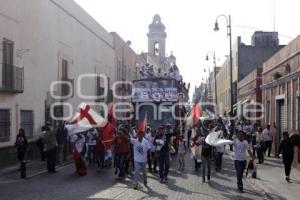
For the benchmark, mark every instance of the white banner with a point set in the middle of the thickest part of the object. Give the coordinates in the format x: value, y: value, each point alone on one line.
x: 154, y: 94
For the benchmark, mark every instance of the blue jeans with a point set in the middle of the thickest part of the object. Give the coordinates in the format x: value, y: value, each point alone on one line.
x: 206, y: 161
x: 240, y: 166
x: 138, y: 168
x: 164, y: 164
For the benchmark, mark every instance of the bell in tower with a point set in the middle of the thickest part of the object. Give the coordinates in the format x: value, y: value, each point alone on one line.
x: 157, y: 39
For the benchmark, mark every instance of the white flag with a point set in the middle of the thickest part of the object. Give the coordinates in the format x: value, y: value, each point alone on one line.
x: 84, y: 119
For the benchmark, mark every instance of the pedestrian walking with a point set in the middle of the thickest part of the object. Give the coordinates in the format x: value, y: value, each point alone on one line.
x: 197, y: 148
x: 286, y: 148
x: 100, y: 151
x: 49, y: 139
x: 181, y: 152
x: 40, y: 144
x: 141, y: 148
x: 78, y: 150
x: 260, y: 145
x: 241, y: 146
x: 268, y: 138
x: 150, y: 137
x: 162, y: 142
x: 219, y: 156
x: 121, y: 150
x: 206, y: 155
x: 91, y: 143
x: 21, y: 145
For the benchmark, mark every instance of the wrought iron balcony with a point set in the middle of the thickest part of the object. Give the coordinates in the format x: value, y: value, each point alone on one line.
x: 11, y: 78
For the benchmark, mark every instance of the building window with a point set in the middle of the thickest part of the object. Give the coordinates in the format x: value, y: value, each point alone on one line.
x: 8, y: 52
x: 7, y: 63
x: 64, y: 69
x: 27, y: 122
x: 4, y: 125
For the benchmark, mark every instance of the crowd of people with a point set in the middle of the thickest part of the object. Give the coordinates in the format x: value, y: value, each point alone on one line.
x: 134, y: 150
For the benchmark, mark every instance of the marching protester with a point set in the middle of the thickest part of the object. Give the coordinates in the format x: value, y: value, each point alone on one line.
x: 141, y: 148
x: 286, y: 149
x: 78, y: 150
x: 162, y: 142
x: 21, y: 145
x: 150, y: 137
x: 206, y: 155
x: 219, y: 156
x: 100, y: 150
x: 91, y: 143
x: 260, y: 145
x: 49, y: 139
x: 196, y: 142
x: 241, y: 146
x: 121, y: 150
x: 268, y: 138
x: 181, y: 152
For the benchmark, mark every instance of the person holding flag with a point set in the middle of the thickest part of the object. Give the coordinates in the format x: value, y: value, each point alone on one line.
x: 78, y: 149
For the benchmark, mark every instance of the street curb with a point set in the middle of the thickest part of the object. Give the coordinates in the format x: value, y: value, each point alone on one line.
x: 45, y: 171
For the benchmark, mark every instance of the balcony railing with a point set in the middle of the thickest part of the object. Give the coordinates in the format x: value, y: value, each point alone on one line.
x: 11, y: 78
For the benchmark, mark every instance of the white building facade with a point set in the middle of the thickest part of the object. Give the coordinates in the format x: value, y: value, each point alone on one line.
x: 42, y: 41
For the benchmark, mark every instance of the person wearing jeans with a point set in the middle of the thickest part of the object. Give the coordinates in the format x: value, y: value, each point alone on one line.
x: 206, y: 160
x: 162, y: 143
x: 268, y: 138
x: 241, y: 146
x: 121, y: 150
x: 141, y: 147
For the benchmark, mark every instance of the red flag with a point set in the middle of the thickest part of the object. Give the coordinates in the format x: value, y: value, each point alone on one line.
x: 108, y: 135
x: 143, y: 124
x: 110, y: 116
x: 196, y: 113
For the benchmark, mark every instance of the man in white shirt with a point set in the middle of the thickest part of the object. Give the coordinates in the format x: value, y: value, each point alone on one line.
x: 141, y: 147
x: 268, y: 138
x: 241, y: 146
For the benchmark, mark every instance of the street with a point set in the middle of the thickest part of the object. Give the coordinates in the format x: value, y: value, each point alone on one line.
x: 104, y: 185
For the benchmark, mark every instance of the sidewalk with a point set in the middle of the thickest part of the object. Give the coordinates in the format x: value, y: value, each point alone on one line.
x: 33, y: 168
x: 271, y: 179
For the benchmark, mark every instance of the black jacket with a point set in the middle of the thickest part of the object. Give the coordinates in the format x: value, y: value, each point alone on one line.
x: 286, y: 148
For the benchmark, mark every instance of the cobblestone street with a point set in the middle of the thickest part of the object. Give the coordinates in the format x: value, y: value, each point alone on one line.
x: 103, y: 185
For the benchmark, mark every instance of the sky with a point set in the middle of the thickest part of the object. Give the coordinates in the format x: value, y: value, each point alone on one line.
x: 189, y: 26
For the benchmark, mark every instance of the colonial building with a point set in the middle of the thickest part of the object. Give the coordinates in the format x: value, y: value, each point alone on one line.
x: 156, y: 55
x: 280, y: 93
x: 245, y: 58
x: 249, y: 95
x: 43, y: 42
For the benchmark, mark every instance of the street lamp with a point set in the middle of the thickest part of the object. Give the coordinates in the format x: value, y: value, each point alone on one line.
x: 216, y: 28
x: 215, y: 73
